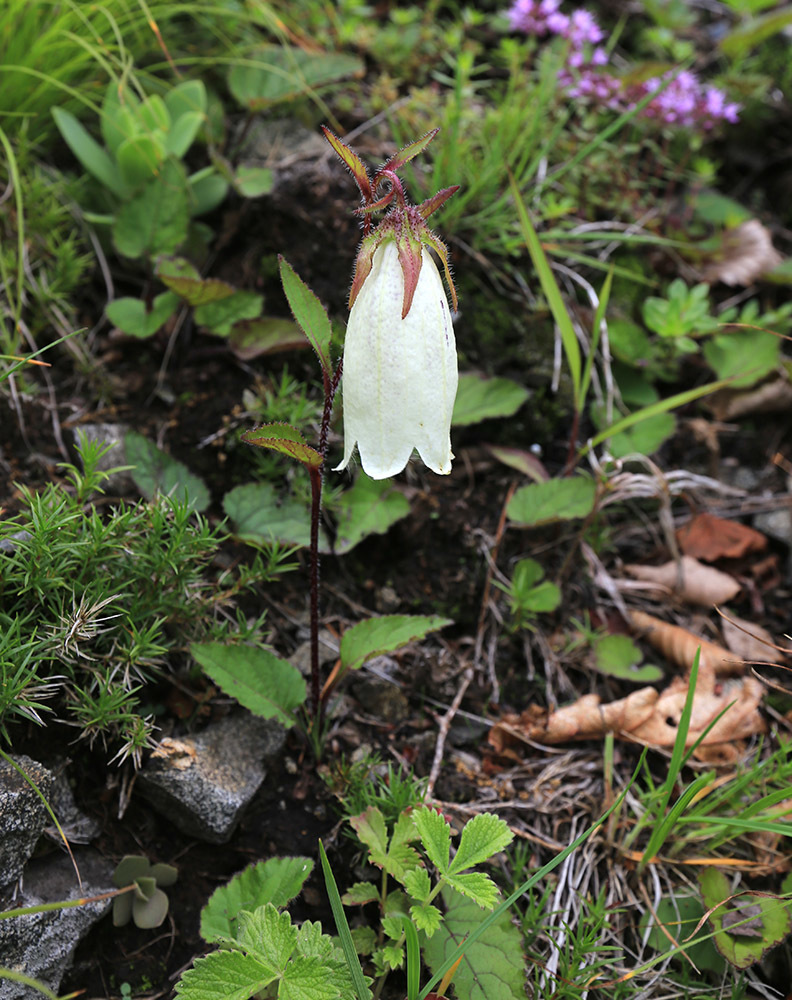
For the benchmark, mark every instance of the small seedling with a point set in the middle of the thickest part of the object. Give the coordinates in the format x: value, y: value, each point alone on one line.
x: 147, y: 904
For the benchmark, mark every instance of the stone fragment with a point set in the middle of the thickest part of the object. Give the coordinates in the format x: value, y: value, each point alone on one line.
x: 22, y: 814
x: 42, y: 945
x: 775, y: 523
x: 381, y: 699
x: 202, y: 783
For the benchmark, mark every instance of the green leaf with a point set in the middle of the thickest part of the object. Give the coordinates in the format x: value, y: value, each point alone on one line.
x: 253, y: 182
x: 750, y: 33
x: 393, y: 927
x: 132, y: 317
x: 482, y: 836
x: 377, y: 636
x: 223, y: 975
x: 309, y: 314
x: 277, y: 880
x: 88, y: 151
x: 151, y: 912
x: 307, y: 979
x: 183, y: 278
x: 130, y: 868
x: 268, y: 935
x: 252, y: 338
x: 370, y: 507
x: 145, y: 887
x: 392, y: 955
x: 543, y: 598
x: 435, y: 834
x: 282, y: 73
x: 258, y: 679
x: 748, y: 354
x: 183, y: 132
x: 260, y: 518
x: 164, y: 874
x: 493, y: 967
x: 219, y: 316
x: 768, y: 918
x: 207, y: 190
x: 122, y: 909
x: 480, y: 399
x: 156, y: 472
x: 396, y: 857
x: 555, y: 500
x: 361, y: 892
x: 186, y: 98
x: 417, y: 883
x: 139, y: 159
x: 618, y: 656
x: 118, y: 119
x: 156, y: 220
x: 365, y: 939
x: 643, y: 438
x: 359, y: 984
x: 427, y: 918
x: 680, y: 916
x: 286, y: 440
x: 476, y: 886
x: 370, y: 829
x: 153, y: 114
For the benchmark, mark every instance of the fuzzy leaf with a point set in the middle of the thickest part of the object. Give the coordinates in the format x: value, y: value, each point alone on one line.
x: 417, y: 884
x: 361, y: 892
x: 268, y: 935
x: 223, y: 975
x: 286, y: 440
x: 156, y: 472
x: 307, y: 979
x: 277, y: 881
x: 480, y: 399
x: 555, y: 500
x: 376, y: 636
x: 258, y: 679
x: 476, y: 886
x: 482, y: 836
x: 493, y: 966
x: 309, y: 314
x: 370, y: 507
x: 312, y: 942
x: 427, y: 918
x: 435, y: 834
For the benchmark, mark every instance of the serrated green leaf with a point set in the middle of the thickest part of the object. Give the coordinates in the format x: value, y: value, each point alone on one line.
x: 396, y: 857
x: 476, y: 886
x: 259, y: 516
x: 361, y: 892
x: 309, y: 314
x: 312, y: 942
x: 223, y: 975
x: 376, y: 636
x: 132, y: 317
x: 480, y: 399
x: 427, y: 918
x: 154, y: 472
x: 266, y: 685
x: 269, y: 935
x: 435, y: 834
x: 393, y: 927
x: 183, y: 278
x: 370, y: 828
x: 286, y: 440
x: 156, y: 220
x: 307, y: 979
x: 370, y: 507
x: 219, y: 316
x: 365, y: 939
x: 482, y: 836
x: 418, y: 884
x: 392, y: 956
x: 493, y: 966
x: 555, y: 500
x: 277, y: 881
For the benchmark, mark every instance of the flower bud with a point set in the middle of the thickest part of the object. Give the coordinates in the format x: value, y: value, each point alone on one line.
x: 400, y: 372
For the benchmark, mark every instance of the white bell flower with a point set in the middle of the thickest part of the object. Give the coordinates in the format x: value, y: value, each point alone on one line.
x: 400, y: 371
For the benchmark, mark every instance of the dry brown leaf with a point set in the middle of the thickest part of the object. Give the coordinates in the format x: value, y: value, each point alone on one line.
x: 690, y: 580
x: 772, y: 396
x: 747, y: 640
x: 746, y: 253
x: 679, y: 646
x: 709, y: 538
x: 180, y: 754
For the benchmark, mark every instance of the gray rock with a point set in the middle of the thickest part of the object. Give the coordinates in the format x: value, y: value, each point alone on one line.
x: 112, y: 435
x: 328, y: 652
x: 203, y: 783
x: 776, y: 523
x: 78, y: 828
x: 22, y: 814
x: 42, y: 945
x: 381, y: 698
x: 9, y: 544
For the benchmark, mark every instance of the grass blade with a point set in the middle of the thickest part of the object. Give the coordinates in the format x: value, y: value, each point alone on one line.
x: 347, y: 945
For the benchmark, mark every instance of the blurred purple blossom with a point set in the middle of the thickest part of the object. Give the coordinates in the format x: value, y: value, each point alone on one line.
x: 684, y: 102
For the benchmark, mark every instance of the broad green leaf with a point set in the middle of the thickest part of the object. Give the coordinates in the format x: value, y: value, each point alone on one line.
x: 307, y: 979
x: 88, y: 151
x: 719, y: 210
x: 258, y: 679
x: 618, y: 656
x: 521, y: 460
x: 253, y: 182
x: 747, y: 354
x: 427, y: 918
x: 252, y: 338
x: 312, y: 942
x: 207, y: 190
x: 118, y: 120
x: 219, y: 316
x: 309, y: 314
x: 377, y: 636
x: 154, y: 114
x: 282, y: 73
x: 370, y: 507
x: 130, y: 868
x: 476, y: 886
x: 370, y: 828
x: 139, y: 159
x: 131, y: 317
x: 555, y: 500
x: 493, y: 966
x: 277, y: 880
x: 480, y: 399
x: 183, y: 278
x: 164, y: 874
x: 156, y: 472
x: 393, y: 956
x: 286, y: 440
x: 186, y: 98
x: 155, y: 221
x: 543, y: 598
x: 482, y: 836
x: 151, y: 912
x: 764, y: 924
x: 269, y: 935
x: 435, y: 834
x: 680, y: 917
x: 396, y: 856
x: 643, y: 438
x: 365, y: 939
x: 259, y: 517
x: 183, y: 132
x: 223, y: 975
x: 361, y: 892
x: 417, y: 883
